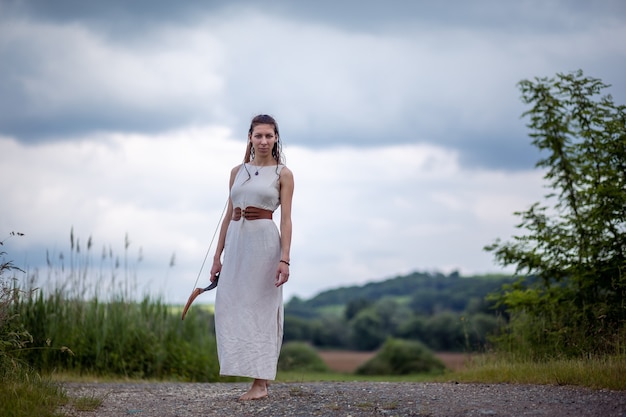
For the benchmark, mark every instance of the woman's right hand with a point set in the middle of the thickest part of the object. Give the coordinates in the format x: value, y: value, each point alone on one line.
x: 215, y: 270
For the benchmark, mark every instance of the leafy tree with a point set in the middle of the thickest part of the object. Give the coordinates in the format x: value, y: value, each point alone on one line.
x: 354, y: 306
x: 444, y: 332
x: 575, y: 243
x: 299, y: 308
x: 296, y: 328
x: 392, y: 314
x: 477, y: 329
x: 427, y: 301
x: 329, y: 332
x: 368, y: 331
x: 414, y: 328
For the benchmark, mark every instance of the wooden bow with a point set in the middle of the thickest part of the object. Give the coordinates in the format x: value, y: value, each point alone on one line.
x: 195, y: 293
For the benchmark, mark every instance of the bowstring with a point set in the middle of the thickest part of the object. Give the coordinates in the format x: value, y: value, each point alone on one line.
x: 206, y: 255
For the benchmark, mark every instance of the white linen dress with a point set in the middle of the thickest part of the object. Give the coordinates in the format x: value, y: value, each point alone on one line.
x: 248, y: 306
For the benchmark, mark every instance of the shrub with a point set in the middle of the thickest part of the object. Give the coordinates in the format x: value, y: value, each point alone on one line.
x: 300, y: 356
x: 402, y: 357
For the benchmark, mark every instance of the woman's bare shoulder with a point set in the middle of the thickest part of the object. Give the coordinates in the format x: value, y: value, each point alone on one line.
x: 286, y: 171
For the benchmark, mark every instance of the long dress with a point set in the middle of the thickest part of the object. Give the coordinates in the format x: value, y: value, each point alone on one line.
x: 248, y: 306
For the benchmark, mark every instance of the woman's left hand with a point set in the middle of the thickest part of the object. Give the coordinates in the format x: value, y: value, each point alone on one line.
x: 282, y: 274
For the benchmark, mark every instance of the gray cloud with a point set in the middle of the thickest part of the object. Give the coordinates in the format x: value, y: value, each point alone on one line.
x: 401, y: 122
x: 334, y: 73
x: 369, y: 16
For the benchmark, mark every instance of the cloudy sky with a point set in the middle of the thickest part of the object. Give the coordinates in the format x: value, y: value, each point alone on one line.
x: 401, y: 121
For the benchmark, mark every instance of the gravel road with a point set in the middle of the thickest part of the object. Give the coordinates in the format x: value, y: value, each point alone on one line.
x: 347, y: 399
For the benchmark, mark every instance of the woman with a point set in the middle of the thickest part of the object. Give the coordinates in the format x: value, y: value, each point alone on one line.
x: 249, y: 299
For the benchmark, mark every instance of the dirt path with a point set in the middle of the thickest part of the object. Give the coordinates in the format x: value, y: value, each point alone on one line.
x: 347, y: 399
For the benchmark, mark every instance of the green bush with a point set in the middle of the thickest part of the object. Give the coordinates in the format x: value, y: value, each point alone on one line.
x: 402, y: 357
x: 300, y: 356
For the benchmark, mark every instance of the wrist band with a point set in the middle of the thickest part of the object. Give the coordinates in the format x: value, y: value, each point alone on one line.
x: 285, y: 262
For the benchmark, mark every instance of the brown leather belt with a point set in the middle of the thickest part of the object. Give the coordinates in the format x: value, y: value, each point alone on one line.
x: 251, y: 213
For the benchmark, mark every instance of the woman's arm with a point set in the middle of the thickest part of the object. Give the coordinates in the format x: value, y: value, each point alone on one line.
x: 286, y: 196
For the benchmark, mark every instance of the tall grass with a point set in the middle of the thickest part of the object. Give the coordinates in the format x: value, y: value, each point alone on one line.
x: 76, y: 329
x: 598, y: 372
x: 23, y: 392
x: 134, y: 339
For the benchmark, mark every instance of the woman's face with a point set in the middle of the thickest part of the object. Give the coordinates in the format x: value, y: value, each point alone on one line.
x: 263, y: 139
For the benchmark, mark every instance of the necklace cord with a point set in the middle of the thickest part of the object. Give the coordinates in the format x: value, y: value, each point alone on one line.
x: 206, y: 255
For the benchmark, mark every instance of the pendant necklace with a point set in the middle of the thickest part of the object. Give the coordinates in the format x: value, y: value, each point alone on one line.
x: 258, y: 167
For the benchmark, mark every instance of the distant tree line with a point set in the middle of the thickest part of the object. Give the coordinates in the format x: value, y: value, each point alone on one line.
x: 444, y: 312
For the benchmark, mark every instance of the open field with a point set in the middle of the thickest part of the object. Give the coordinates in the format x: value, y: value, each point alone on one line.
x: 348, y: 361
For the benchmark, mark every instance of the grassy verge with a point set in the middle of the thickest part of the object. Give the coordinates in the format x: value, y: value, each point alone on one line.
x: 24, y: 393
x: 597, y: 373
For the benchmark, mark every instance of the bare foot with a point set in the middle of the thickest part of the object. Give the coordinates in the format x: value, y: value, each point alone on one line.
x: 257, y: 391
